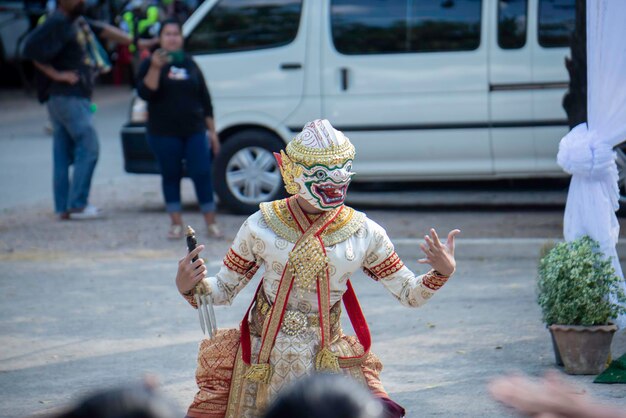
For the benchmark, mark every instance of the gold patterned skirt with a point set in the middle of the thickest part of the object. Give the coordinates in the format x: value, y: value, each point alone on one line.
x: 223, y: 390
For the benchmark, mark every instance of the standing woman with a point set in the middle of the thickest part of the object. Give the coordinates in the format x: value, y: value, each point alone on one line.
x: 180, y: 125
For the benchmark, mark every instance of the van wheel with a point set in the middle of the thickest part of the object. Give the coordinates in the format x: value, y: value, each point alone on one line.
x: 246, y: 172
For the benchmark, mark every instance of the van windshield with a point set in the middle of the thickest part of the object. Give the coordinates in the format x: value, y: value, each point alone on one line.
x: 244, y: 25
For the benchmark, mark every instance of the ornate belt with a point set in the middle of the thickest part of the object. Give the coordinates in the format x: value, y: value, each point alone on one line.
x: 294, y: 322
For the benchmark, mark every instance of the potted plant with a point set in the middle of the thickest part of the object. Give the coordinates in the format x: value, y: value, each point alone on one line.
x: 575, y: 281
x: 545, y: 249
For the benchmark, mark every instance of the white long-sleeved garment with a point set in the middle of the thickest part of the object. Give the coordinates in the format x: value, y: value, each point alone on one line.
x: 353, y: 242
x: 369, y: 248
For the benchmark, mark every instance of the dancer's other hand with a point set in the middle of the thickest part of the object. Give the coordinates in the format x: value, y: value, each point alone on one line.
x: 440, y: 256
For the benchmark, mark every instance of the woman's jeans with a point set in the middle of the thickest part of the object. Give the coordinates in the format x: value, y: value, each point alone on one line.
x: 196, y: 151
x: 75, y: 142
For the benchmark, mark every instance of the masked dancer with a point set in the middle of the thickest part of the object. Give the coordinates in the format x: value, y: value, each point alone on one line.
x: 309, y: 245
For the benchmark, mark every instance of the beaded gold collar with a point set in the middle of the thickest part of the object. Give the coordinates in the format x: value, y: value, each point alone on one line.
x: 280, y: 220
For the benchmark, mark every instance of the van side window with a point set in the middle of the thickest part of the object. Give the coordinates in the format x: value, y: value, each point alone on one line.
x: 242, y: 25
x: 369, y: 26
x: 512, y: 19
x: 445, y: 25
x: 557, y: 20
x: 405, y: 26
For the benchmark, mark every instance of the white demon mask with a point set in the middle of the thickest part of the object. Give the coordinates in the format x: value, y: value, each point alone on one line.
x: 318, y: 165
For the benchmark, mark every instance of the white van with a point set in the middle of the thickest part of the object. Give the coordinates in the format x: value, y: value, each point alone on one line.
x: 425, y: 89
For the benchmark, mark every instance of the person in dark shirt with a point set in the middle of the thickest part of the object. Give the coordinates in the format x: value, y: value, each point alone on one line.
x: 179, y: 114
x: 65, y: 50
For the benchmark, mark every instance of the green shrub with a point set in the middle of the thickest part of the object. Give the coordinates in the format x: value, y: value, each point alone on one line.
x: 574, y: 281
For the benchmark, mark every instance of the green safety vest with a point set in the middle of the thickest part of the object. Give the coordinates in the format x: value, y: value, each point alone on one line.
x: 152, y: 17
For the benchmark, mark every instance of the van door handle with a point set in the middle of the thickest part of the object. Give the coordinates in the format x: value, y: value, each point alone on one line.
x: 290, y: 66
x: 344, y: 79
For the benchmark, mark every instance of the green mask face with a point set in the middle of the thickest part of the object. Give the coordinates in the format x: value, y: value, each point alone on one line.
x: 325, y: 187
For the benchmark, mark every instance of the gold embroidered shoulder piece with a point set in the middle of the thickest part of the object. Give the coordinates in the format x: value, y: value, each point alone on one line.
x: 344, y: 226
x: 279, y: 219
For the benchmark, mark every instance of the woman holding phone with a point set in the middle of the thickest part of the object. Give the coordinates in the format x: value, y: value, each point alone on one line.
x: 180, y: 125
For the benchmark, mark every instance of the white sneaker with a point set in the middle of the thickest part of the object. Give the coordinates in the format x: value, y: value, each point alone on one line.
x: 214, y: 231
x: 88, y: 212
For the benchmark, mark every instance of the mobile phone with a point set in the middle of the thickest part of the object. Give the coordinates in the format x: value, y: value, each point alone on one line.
x: 176, y: 57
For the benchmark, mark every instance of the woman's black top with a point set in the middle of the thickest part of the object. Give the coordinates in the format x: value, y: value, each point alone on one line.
x: 181, y: 103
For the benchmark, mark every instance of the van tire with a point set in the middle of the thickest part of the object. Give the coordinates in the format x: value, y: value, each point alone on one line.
x: 243, y: 194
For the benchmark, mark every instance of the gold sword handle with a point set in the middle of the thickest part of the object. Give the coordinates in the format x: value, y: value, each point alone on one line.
x: 192, y: 243
x: 205, y: 321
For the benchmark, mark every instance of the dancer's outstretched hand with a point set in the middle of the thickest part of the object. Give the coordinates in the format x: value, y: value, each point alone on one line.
x: 440, y: 256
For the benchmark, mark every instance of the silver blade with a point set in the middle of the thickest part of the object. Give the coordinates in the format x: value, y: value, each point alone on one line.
x: 212, y: 314
x: 207, y: 317
x: 199, y: 305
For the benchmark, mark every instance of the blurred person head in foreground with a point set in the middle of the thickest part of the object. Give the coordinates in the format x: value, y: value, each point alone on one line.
x: 131, y: 401
x: 327, y: 396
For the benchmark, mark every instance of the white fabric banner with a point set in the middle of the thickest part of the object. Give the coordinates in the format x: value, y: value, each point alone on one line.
x: 586, y: 152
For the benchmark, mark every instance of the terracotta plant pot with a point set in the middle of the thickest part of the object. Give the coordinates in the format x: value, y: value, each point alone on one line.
x: 584, y: 350
x: 557, y: 355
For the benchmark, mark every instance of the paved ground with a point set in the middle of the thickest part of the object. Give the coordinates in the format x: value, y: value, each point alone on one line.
x: 90, y: 304
x: 74, y: 322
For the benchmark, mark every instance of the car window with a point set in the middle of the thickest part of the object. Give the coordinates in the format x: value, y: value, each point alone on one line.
x: 405, y: 26
x: 244, y: 25
x: 557, y: 20
x: 369, y: 26
x: 445, y: 25
x: 512, y: 19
